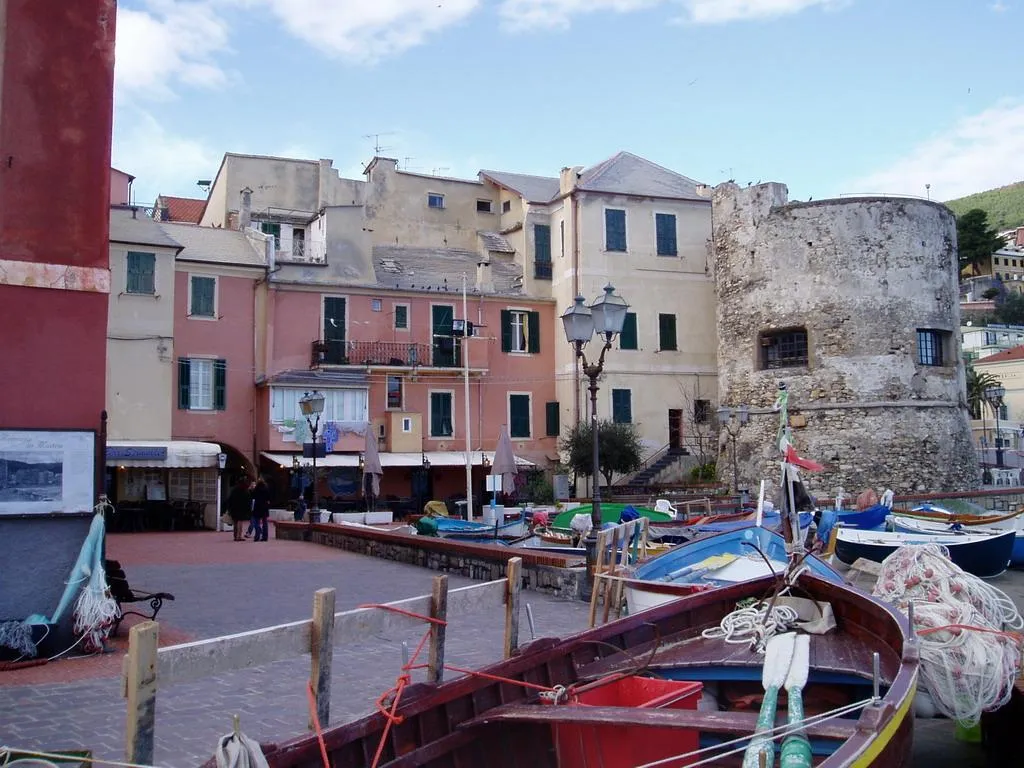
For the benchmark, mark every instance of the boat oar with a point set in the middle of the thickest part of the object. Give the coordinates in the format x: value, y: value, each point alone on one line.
x: 796, y: 749
x: 777, y: 658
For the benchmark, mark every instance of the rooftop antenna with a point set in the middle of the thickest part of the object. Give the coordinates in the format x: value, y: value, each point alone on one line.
x: 204, y: 184
x: 405, y: 163
x: 377, y: 146
x: 438, y: 170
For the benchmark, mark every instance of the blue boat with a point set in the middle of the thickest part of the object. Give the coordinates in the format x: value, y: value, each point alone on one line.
x: 770, y: 520
x: 714, y: 561
x: 914, y: 525
x: 870, y: 519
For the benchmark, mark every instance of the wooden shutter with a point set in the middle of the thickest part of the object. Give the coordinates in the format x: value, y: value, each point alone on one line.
x: 622, y: 406
x: 665, y: 231
x: 551, y: 419
x: 541, y: 243
x: 506, y: 330
x: 184, y: 375
x: 220, y: 381
x: 519, y: 416
x: 628, y: 337
x: 533, y: 337
x: 667, y: 332
x: 614, y: 230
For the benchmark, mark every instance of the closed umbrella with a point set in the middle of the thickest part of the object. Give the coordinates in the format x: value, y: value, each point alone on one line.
x: 371, y: 465
x: 505, y: 461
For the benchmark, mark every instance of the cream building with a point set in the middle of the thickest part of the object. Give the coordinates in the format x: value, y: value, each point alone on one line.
x: 1008, y: 367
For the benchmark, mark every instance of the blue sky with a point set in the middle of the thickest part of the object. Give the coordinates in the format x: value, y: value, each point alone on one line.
x: 827, y: 96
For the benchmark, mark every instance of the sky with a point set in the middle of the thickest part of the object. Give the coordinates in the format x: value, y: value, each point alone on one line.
x: 831, y: 97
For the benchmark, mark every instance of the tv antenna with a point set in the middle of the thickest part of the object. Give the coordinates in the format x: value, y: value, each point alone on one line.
x: 377, y: 147
x: 437, y: 171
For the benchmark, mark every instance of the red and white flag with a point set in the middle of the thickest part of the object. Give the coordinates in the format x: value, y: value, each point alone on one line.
x: 796, y: 461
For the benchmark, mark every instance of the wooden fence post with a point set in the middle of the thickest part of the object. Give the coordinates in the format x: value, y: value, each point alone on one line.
x: 438, y: 610
x: 140, y: 690
x: 514, y: 580
x: 321, y: 642
x: 602, y: 543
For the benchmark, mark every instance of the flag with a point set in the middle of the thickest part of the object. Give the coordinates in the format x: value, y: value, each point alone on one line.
x: 808, y: 464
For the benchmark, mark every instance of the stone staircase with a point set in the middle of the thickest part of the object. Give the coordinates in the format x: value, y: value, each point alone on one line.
x: 648, y: 474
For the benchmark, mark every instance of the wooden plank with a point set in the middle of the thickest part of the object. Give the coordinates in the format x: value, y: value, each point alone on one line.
x: 140, y: 684
x: 438, y: 610
x: 321, y: 646
x: 514, y: 585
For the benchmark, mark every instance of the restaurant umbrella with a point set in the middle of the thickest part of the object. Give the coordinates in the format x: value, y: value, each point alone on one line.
x: 371, y: 467
x: 504, y: 463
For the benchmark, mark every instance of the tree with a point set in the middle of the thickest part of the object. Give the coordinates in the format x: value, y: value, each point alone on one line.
x: 977, y: 383
x: 619, y: 445
x: 1011, y: 311
x: 975, y: 241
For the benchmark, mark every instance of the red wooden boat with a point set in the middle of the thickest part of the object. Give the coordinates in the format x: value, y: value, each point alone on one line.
x: 496, y: 721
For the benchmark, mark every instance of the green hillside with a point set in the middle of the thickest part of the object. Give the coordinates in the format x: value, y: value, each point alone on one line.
x: 1004, y: 206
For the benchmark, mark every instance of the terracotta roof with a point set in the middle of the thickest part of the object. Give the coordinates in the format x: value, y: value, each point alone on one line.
x: 1017, y: 353
x: 183, y: 209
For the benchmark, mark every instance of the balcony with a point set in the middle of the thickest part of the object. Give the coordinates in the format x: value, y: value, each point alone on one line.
x: 392, y: 353
x: 542, y: 270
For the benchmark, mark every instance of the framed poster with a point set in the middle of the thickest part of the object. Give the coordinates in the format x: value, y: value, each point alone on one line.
x: 47, y: 471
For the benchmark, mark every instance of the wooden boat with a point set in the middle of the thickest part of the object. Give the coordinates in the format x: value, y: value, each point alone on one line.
x: 467, y: 529
x: 983, y: 555
x: 610, y: 513
x: 712, y: 562
x: 870, y: 519
x: 494, y: 721
x: 933, y: 512
x: 915, y: 525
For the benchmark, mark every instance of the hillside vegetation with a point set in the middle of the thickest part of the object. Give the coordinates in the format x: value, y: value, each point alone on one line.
x: 1004, y: 206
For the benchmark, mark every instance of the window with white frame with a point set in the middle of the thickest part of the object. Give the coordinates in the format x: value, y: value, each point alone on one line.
x: 394, y: 393
x: 442, y: 421
x: 200, y: 385
x: 435, y: 200
x: 178, y: 485
x: 204, y: 485
x: 348, y: 405
x: 202, y: 296
x: 406, y: 425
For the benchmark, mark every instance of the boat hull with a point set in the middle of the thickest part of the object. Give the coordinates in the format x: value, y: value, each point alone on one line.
x: 984, y: 556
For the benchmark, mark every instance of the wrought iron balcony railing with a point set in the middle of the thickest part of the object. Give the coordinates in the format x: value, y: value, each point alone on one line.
x: 393, y: 353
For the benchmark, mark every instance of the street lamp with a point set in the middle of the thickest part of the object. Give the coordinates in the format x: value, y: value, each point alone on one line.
x: 312, y: 405
x: 731, y: 420
x: 994, y: 396
x: 605, y: 316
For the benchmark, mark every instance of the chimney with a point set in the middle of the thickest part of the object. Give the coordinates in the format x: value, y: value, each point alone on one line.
x: 484, y: 281
x: 567, y: 179
x: 245, y: 209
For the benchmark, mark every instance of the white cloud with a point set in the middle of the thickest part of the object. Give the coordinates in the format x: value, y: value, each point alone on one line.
x: 367, y: 30
x: 168, y: 43
x: 525, y: 14
x: 976, y: 153
x: 162, y: 162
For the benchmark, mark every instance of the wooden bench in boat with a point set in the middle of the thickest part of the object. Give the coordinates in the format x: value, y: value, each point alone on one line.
x: 690, y: 719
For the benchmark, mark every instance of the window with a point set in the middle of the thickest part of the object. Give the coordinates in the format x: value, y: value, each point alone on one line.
x: 141, y: 273
x: 520, y: 331
x: 345, y: 405
x: 518, y: 416
x: 298, y: 243
x: 929, y: 347
x: 483, y: 206
x: 270, y: 228
x: 446, y: 348
x: 406, y: 425
x: 202, y: 296
x: 376, y: 305
x: 434, y: 200
x: 628, y: 337
x: 784, y: 349
x: 622, y: 406
x: 202, y: 384
x: 506, y: 206
x: 614, y: 229
x: 336, y: 351
x: 701, y: 411
x: 542, y: 251
x: 394, y: 392
x: 441, y: 424
x: 561, y: 237
x: 551, y: 426
x: 665, y: 232
x: 667, y: 333
x: 401, y: 317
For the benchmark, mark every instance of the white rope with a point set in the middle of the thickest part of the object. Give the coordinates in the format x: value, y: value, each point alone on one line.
x: 753, y: 625
x: 6, y: 751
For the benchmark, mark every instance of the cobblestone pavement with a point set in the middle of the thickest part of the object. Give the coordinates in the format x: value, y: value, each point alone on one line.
x: 224, y: 587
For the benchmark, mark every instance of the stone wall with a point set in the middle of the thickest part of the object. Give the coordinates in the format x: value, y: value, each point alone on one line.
x: 861, y: 276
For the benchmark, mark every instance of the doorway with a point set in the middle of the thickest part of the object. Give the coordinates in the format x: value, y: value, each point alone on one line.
x: 675, y: 429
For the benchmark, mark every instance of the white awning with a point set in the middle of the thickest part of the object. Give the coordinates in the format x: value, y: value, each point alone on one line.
x: 161, y: 453
x: 436, y: 459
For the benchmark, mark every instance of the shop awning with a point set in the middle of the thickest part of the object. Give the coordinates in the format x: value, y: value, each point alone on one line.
x: 436, y: 459
x: 161, y: 453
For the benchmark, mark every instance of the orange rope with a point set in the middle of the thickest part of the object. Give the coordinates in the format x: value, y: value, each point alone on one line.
x: 497, y: 678
x: 1015, y: 636
x: 316, y: 723
x: 410, y: 614
x: 389, y: 713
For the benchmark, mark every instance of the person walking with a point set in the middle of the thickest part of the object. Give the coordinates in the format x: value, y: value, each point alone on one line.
x: 239, y: 506
x: 261, y: 509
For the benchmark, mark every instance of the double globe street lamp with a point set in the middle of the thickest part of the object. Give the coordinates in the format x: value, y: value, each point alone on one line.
x: 994, y: 395
x: 311, y: 405
x: 605, y: 316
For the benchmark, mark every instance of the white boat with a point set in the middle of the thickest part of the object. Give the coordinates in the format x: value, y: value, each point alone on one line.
x: 980, y: 554
x: 917, y: 525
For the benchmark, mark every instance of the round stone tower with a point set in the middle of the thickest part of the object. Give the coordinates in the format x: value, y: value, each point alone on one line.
x: 854, y: 304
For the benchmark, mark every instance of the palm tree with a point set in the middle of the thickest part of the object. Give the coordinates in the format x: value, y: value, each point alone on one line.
x: 977, y: 383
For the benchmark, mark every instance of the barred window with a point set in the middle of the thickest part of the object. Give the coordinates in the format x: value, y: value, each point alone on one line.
x: 784, y: 349
x: 929, y: 347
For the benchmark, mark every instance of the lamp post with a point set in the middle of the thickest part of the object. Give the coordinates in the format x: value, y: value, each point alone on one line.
x: 312, y: 405
x: 731, y: 419
x: 994, y: 396
x: 605, y: 316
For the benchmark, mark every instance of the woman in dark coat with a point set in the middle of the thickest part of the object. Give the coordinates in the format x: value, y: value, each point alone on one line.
x: 261, y: 509
x: 239, y: 506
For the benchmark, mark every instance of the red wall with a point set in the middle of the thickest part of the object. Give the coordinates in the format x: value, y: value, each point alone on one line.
x: 56, y: 107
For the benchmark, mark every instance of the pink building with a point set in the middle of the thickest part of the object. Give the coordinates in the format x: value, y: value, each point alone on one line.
x: 217, y: 276
x: 120, y: 187
x: 383, y: 351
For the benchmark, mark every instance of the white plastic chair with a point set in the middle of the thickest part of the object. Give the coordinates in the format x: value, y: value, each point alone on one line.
x: 664, y: 505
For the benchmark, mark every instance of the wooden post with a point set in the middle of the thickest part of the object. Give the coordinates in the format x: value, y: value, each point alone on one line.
x: 140, y: 689
x: 438, y: 610
x: 602, y: 545
x: 515, y: 582
x: 321, y: 642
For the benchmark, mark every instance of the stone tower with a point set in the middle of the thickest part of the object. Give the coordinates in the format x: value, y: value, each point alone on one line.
x: 854, y: 304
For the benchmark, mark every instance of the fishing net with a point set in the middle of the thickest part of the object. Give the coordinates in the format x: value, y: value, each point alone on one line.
x: 95, y: 612
x: 969, y: 659
x: 17, y: 635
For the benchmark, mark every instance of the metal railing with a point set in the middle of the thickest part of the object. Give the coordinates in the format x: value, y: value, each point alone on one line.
x: 542, y: 270
x: 391, y: 353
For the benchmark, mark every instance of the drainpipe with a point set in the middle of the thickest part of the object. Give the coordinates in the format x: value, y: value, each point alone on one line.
x: 576, y: 383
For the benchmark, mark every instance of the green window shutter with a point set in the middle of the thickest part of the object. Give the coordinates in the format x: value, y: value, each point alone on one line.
x: 220, y: 384
x: 667, y: 332
x: 551, y: 419
x: 534, y: 332
x: 506, y: 330
x: 184, y: 375
x: 622, y: 406
x: 614, y: 230
x: 202, y: 296
x: 334, y: 319
x: 401, y: 316
x: 441, y: 414
x: 435, y: 415
x: 628, y: 338
x: 141, y: 272
x: 665, y: 231
x: 519, y: 416
x: 541, y: 243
